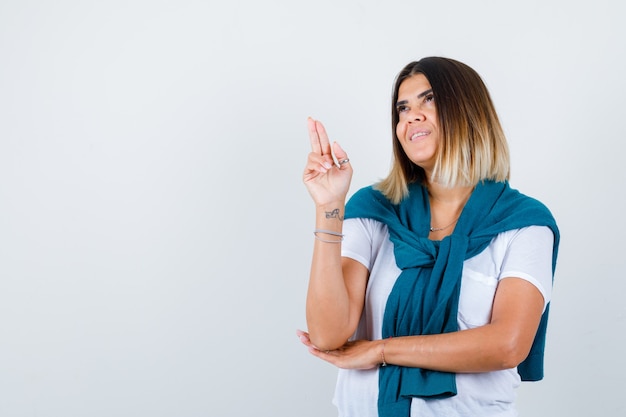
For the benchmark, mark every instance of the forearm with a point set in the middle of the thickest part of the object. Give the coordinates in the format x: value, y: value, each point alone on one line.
x: 483, y: 349
x: 503, y: 343
x: 328, y: 301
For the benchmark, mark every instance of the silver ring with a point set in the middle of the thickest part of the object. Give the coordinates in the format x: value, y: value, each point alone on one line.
x: 344, y: 161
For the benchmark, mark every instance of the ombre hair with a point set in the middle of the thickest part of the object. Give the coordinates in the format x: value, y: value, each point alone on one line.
x: 472, y: 145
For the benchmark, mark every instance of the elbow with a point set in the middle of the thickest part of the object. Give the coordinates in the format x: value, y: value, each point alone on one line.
x: 325, y: 342
x: 511, y: 353
x: 329, y: 334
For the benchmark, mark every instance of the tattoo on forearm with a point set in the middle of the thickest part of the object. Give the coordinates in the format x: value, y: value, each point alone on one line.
x: 334, y: 215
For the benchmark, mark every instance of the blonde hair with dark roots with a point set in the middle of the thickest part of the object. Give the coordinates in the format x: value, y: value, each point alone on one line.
x: 473, y: 147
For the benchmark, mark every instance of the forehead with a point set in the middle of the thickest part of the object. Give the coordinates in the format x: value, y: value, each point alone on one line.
x: 413, y: 85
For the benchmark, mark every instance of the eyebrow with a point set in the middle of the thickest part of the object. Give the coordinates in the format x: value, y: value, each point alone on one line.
x: 420, y: 95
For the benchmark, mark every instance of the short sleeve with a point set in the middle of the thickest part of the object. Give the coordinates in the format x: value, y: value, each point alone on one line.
x: 529, y: 257
x: 363, y: 240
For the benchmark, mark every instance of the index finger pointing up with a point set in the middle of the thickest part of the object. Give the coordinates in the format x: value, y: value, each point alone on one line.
x: 319, y: 139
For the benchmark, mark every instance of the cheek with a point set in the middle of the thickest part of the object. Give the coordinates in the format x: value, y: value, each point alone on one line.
x: 400, y: 130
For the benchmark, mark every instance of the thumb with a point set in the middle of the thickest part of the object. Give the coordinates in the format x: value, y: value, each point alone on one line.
x: 340, y: 154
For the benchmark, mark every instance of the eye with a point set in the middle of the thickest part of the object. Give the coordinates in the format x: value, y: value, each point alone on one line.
x: 402, y: 109
x: 429, y: 98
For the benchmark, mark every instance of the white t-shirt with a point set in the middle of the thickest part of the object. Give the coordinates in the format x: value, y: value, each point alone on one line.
x: 523, y: 253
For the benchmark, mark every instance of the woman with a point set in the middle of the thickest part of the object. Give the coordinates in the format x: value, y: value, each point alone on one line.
x: 430, y: 290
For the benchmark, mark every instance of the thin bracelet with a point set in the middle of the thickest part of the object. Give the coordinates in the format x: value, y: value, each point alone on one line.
x: 382, y: 353
x: 328, y: 232
x: 328, y: 241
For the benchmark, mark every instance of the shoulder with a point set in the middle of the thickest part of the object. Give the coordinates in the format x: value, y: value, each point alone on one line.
x: 366, y: 193
x: 518, y: 210
x: 367, y: 202
x: 512, y: 197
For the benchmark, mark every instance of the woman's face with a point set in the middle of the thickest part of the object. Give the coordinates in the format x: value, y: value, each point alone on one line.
x: 417, y: 128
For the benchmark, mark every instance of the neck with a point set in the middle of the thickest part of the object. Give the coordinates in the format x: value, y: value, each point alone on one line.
x: 450, y: 197
x: 446, y: 205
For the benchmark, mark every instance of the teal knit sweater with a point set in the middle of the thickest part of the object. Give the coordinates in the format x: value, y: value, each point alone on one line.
x: 425, y: 297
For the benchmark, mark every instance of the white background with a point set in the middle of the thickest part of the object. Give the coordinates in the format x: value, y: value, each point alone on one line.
x: 155, y: 235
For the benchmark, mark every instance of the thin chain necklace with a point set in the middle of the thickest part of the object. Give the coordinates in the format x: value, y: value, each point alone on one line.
x: 437, y: 229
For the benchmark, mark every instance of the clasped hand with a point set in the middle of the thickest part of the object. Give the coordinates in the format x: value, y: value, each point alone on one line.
x: 359, y: 354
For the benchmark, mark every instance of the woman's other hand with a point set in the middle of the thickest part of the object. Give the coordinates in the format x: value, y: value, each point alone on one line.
x: 360, y: 354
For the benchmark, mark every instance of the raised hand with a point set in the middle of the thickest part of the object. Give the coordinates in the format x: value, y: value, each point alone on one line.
x: 327, y: 180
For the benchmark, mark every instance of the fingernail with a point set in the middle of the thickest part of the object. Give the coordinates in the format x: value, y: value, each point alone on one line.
x: 327, y: 165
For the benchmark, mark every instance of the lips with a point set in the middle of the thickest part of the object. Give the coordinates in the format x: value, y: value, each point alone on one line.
x: 419, y: 134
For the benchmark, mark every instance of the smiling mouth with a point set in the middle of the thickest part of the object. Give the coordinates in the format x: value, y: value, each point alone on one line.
x: 418, y: 135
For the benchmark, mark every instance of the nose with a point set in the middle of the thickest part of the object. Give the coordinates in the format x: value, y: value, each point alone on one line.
x: 416, y: 115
